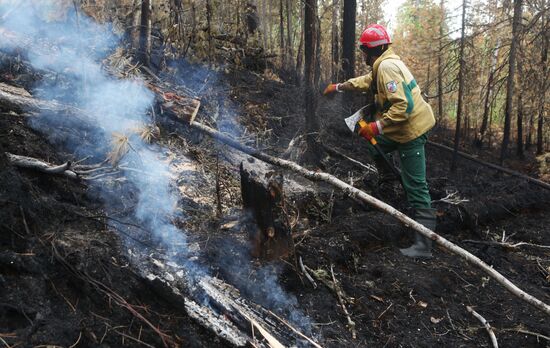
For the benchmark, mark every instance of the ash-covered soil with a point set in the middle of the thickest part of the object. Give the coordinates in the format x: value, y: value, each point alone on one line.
x: 54, y: 245
x: 56, y: 242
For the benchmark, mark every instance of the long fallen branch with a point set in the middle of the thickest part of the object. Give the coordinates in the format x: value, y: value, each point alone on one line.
x: 493, y: 166
x: 358, y: 194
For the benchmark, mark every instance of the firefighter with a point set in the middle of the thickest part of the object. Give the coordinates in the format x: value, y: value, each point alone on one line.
x: 402, y: 120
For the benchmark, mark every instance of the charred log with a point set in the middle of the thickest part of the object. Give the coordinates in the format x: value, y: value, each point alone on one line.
x: 263, y: 197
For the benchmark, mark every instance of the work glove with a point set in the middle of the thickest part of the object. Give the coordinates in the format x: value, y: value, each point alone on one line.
x: 369, y: 130
x: 331, y: 88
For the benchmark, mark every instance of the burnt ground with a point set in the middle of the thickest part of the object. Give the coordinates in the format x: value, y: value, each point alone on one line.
x: 64, y: 270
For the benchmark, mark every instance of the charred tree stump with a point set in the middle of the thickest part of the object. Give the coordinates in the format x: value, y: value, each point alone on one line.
x: 263, y: 200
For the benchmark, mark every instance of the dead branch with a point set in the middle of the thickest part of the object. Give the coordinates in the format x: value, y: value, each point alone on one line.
x: 351, y: 323
x: 306, y: 273
x: 35, y: 164
x: 358, y: 194
x: 452, y: 198
x: 493, y: 166
x: 509, y: 246
x: 485, y: 324
x: 523, y: 331
x: 313, y: 343
x: 337, y: 153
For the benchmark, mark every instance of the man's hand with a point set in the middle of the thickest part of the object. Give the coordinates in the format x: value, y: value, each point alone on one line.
x: 370, y: 130
x: 331, y: 88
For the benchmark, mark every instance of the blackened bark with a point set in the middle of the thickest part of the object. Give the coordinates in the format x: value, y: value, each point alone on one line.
x: 348, y: 49
x: 310, y: 40
x: 263, y: 200
x: 460, y: 88
x: 440, y: 64
x: 145, y: 33
x: 543, y: 83
x: 510, y: 81
x: 348, y: 44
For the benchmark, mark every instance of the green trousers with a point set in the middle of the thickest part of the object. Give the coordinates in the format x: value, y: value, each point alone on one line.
x: 413, y: 167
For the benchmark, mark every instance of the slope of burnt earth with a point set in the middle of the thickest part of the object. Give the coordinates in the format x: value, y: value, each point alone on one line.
x: 62, y: 275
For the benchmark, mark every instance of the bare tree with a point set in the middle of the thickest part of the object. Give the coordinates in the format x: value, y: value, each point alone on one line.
x: 289, y: 31
x: 543, y: 81
x: 510, y: 81
x: 521, y: 81
x: 440, y: 62
x: 348, y: 41
x: 488, y: 97
x: 460, y: 87
x: 348, y: 47
x: 310, y: 40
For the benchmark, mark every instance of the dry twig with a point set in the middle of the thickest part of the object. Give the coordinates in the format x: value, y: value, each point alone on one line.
x: 523, y: 331
x: 507, y: 245
x: 485, y: 324
x: 351, y: 323
x: 306, y: 273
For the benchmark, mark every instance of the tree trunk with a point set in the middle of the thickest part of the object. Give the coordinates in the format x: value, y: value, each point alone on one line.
x: 488, y: 97
x: 335, y: 42
x: 460, y: 88
x: 310, y: 40
x: 300, y: 54
x: 289, y: 32
x: 348, y: 49
x: 282, y: 49
x: 440, y: 65
x: 510, y: 81
x: 209, y: 29
x: 145, y: 33
x: 529, y: 135
x: 135, y: 32
x: 348, y: 44
x: 428, y: 73
x: 520, y: 92
x: 263, y: 197
x: 317, y: 53
x: 543, y: 84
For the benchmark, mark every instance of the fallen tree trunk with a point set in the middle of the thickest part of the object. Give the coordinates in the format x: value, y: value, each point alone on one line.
x: 493, y: 166
x: 358, y: 194
x: 19, y: 100
x: 226, y: 313
x: 33, y: 163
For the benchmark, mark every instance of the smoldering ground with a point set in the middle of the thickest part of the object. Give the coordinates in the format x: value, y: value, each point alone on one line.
x: 70, y: 48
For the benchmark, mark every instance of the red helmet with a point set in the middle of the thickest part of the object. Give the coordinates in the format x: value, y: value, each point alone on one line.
x: 374, y: 35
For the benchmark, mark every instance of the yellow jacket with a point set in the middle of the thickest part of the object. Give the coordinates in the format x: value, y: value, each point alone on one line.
x: 399, y: 104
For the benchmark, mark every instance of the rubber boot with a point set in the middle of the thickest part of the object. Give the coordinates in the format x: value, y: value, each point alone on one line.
x: 422, y: 246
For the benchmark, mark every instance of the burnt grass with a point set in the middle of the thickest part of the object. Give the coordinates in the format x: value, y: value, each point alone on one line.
x: 54, y: 240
